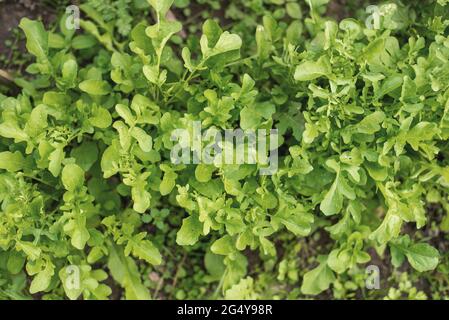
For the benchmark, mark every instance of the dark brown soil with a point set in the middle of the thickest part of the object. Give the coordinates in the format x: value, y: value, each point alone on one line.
x: 338, y: 9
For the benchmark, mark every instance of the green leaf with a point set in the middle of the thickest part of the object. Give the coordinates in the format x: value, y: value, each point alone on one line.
x: 212, y: 31
x: 42, y: 280
x: 294, y: 10
x: 86, y: 154
x: 76, y: 229
x: 110, y: 161
x: 10, y: 129
x: 161, y: 6
x: 141, y: 198
x: 187, y: 57
x: 203, y: 172
x: 69, y: 72
x: 37, y: 122
x: 145, y: 141
x: 95, y: 87
x: 223, y: 246
x: 144, y: 249
x: 125, y: 113
x: 15, y: 263
x: 11, y: 162
x: 56, y: 157
x: 422, y: 256
x: 101, y: 118
x: 371, y: 124
x: 388, y: 229
x: 168, y: 183
x: 37, y: 37
x: 226, y: 42
x: 83, y: 41
x: 339, y: 260
x: 214, y: 265
x: 315, y: 4
x: 72, y: 177
x: 333, y: 200
x: 124, y: 270
x: 310, y: 70
x: 299, y: 225
x: 32, y: 251
x: 317, y: 280
x: 190, y: 231
x: 376, y: 171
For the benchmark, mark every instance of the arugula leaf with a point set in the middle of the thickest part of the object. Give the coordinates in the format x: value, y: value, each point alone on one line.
x: 317, y: 280
x: 37, y: 38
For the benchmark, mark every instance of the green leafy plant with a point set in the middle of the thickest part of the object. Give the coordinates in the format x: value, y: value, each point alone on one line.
x: 87, y: 181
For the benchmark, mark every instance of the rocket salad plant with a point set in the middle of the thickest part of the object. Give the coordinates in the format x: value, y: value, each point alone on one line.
x: 88, y: 190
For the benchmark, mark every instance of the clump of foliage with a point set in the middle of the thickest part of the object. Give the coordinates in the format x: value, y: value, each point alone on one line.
x: 86, y: 179
x: 119, y: 13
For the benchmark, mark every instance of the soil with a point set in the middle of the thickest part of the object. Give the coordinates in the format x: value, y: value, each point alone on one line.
x: 11, y: 11
x: 338, y: 9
